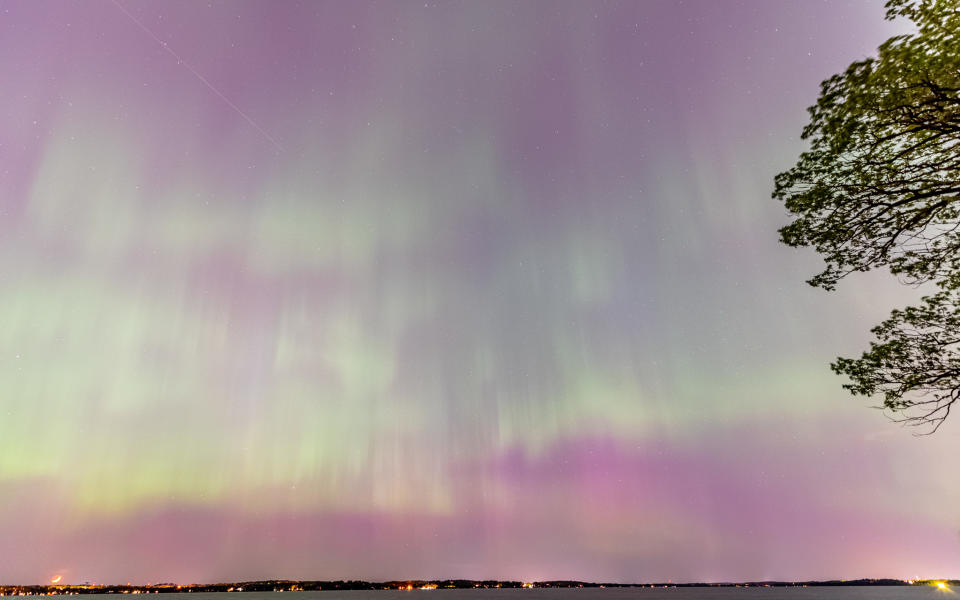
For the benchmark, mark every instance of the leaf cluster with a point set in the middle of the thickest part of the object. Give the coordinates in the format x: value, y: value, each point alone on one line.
x: 914, y: 364
x: 879, y: 187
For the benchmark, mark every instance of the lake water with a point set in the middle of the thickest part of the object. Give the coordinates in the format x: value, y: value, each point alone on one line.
x: 789, y: 593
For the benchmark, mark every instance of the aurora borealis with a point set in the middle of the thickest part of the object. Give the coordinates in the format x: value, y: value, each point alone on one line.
x: 326, y: 290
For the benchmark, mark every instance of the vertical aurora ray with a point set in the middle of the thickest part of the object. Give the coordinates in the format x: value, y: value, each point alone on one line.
x: 507, y: 301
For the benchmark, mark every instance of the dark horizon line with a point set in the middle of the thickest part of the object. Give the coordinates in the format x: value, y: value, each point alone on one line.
x: 292, y: 585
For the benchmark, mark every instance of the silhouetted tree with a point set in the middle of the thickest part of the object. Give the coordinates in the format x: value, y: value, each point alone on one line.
x: 880, y: 187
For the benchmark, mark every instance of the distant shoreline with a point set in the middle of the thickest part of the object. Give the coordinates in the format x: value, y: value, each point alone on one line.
x: 283, y: 585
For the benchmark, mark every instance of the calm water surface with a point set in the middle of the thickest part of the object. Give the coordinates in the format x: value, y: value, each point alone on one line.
x: 810, y: 593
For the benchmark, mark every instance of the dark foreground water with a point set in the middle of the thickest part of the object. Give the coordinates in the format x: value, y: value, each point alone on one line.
x: 758, y: 593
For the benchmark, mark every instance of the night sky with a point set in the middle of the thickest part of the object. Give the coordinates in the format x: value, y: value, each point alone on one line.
x: 415, y: 289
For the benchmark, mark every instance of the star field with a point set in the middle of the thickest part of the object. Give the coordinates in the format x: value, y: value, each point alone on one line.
x: 392, y: 290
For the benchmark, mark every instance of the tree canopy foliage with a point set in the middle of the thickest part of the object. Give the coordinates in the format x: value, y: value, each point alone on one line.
x: 879, y: 187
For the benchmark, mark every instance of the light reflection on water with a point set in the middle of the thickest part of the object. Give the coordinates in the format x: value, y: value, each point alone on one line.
x: 678, y: 593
